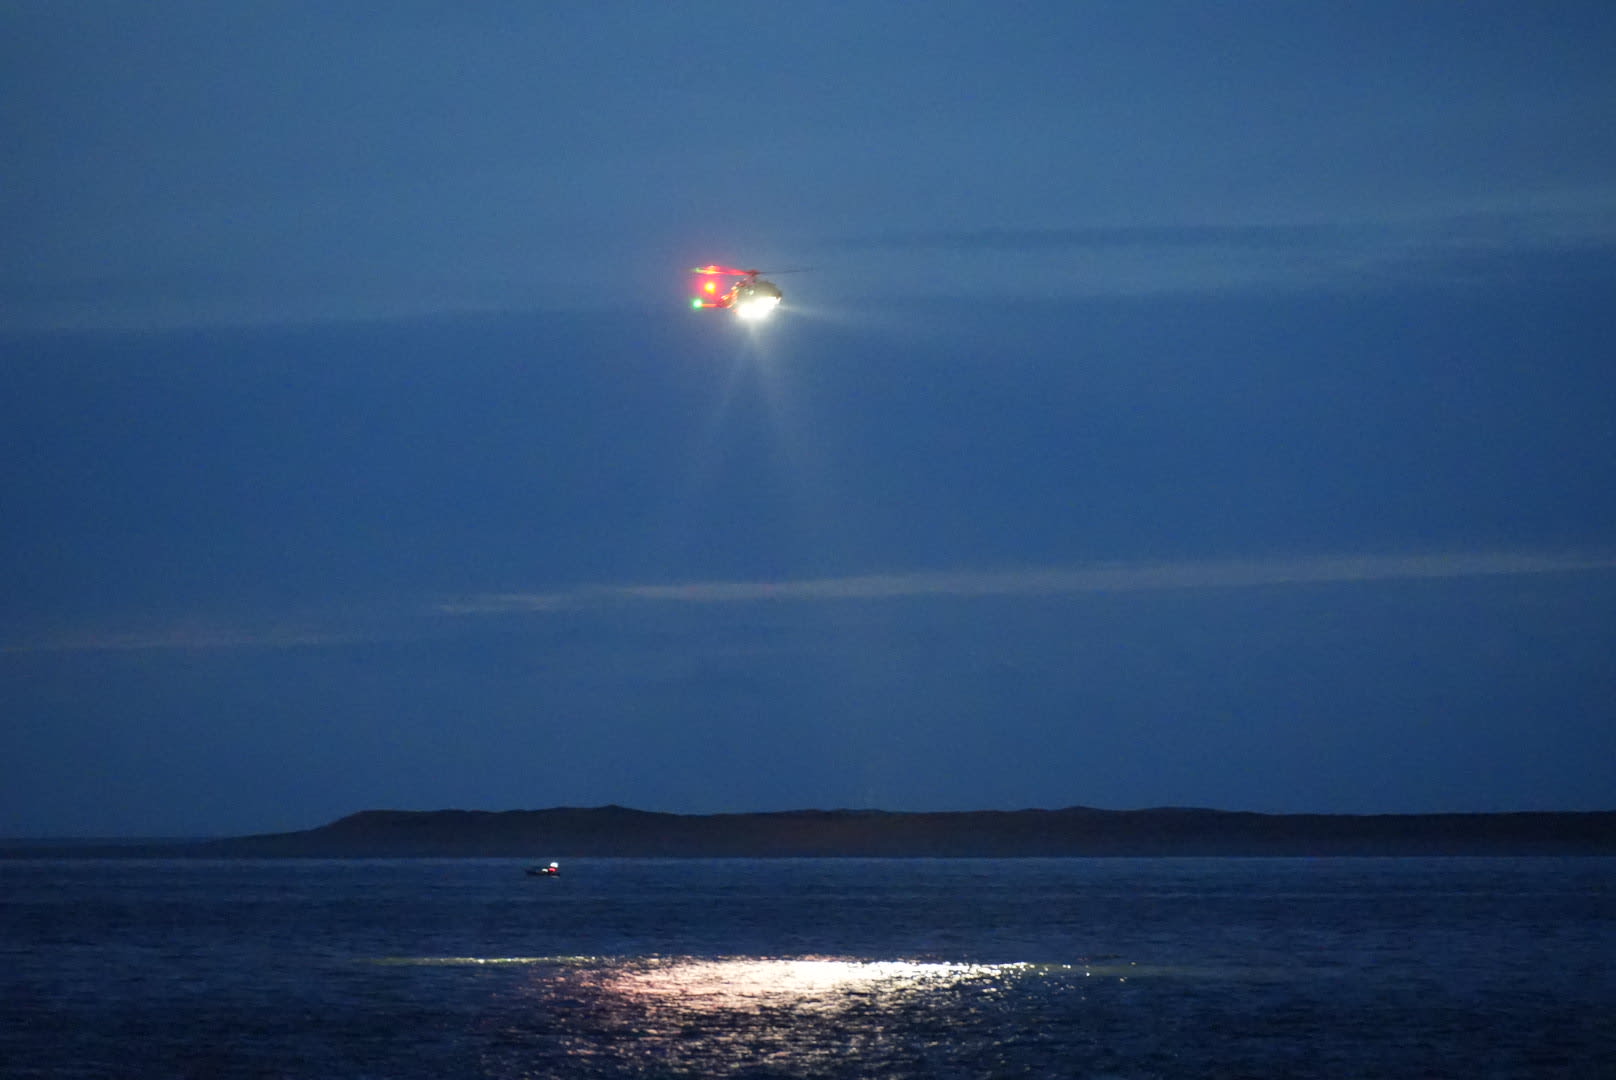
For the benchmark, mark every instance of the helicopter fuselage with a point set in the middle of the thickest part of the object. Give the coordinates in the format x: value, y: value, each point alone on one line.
x: 750, y: 297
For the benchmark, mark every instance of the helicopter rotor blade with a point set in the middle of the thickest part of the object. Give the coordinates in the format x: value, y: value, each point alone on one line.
x: 730, y: 271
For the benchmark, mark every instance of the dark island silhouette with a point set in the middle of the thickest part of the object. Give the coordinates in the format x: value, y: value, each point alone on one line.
x: 616, y: 831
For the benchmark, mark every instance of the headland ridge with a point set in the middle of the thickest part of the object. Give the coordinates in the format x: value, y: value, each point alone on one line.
x: 619, y: 831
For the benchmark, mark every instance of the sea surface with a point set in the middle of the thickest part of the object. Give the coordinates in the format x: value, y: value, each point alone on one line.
x: 1465, y: 968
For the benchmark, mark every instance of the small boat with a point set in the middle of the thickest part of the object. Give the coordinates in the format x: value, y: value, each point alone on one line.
x: 544, y: 871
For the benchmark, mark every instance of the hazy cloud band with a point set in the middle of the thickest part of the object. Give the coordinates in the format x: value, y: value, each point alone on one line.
x: 349, y: 628
x: 1047, y: 582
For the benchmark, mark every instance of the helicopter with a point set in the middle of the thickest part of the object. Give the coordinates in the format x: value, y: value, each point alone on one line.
x: 751, y: 296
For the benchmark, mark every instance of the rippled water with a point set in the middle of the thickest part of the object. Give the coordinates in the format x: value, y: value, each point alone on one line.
x: 833, y: 968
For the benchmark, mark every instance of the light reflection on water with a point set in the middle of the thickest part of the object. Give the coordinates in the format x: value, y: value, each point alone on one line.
x: 713, y: 1017
x: 808, y: 983
x: 782, y: 1016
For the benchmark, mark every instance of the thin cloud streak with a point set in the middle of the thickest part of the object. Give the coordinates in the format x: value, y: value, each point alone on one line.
x: 313, y: 631
x: 1146, y: 259
x: 1049, y: 262
x: 1577, y: 227
x: 1110, y: 578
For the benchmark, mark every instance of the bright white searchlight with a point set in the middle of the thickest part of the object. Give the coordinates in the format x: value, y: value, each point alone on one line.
x: 756, y: 307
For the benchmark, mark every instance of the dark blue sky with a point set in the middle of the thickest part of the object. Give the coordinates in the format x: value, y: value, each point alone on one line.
x: 1191, y: 404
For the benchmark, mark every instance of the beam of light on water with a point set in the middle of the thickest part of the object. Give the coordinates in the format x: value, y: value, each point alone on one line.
x: 785, y: 1016
x: 748, y: 977
x: 801, y: 983
x: 808, y: 1016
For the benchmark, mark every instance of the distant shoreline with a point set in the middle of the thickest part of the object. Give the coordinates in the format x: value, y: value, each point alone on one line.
x: 616, y: 831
